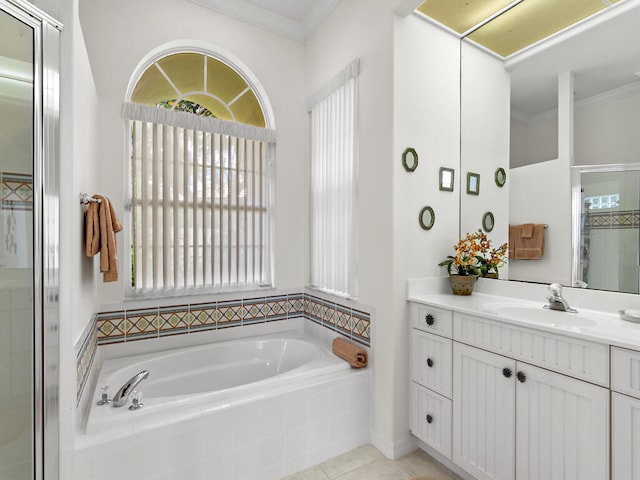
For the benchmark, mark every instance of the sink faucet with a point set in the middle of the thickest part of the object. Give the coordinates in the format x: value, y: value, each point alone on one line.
x: 557, y: 301
x: 121, y: 396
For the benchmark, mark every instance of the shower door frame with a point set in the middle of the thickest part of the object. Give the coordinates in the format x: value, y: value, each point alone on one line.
x: 576, y: 208
x: 46, y: 112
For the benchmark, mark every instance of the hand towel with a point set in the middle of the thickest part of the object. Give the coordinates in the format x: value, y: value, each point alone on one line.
x: 354, y: 355
x: 523, y: 248
x: 101, y: 225
x: 527, y: 230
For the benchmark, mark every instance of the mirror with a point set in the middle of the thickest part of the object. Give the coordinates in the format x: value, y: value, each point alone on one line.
x: 500, y: 177
x: 573, y: 101
x: 410, y: 160
x: 488, y: 221
x: 446, y: 179
x: 473, y: 183
x: 427, y: 218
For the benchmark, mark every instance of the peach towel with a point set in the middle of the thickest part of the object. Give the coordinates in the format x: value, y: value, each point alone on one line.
x: 526, y: 242
x: 354, y: 355
x: 101, y: 225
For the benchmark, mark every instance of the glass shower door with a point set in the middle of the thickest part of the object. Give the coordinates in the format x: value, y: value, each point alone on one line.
x: 609, y: 229
x: 17, y: 387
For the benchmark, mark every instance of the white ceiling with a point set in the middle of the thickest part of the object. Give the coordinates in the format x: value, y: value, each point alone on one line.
x: 295, y: 19
x: 603, y: 53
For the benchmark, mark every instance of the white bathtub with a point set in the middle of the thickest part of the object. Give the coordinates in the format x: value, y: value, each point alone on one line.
x: 209, y: 376
x: 258, y: 408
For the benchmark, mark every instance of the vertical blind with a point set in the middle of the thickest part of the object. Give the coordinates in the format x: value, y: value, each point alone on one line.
x: 200, y: 209
x: 333, y: 186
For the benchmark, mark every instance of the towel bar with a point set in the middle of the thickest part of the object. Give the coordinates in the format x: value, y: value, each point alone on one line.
x: 86, y: 199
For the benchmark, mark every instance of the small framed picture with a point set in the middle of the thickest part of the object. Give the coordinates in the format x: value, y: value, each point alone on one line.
x: 473, y: 183
x: 446, y: 179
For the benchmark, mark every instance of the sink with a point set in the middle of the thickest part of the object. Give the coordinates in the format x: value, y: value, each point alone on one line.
x: 537, y: 314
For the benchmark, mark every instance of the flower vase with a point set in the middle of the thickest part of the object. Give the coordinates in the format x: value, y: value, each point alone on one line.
x: 462, y: 284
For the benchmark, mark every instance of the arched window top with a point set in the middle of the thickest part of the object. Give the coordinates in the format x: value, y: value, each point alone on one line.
x: 201, y: 84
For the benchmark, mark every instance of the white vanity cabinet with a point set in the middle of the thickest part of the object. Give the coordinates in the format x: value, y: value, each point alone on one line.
x: 625, y: 414
x: 526, y: 404
x: 431, y: 355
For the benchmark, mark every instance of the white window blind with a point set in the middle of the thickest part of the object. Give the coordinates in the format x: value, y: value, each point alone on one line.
x: 333, y: 185
x: 200, y: 204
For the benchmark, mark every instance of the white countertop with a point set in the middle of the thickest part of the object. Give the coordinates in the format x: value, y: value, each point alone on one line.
x: 591, y: 325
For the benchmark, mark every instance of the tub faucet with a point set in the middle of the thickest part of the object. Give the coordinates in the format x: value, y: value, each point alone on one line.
x: 557, y: 301
x: 121, y: 396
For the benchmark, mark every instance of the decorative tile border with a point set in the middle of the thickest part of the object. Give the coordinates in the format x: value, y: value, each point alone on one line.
x: 140, y: 324
x: 622, y: 219
x: 16, y: 191
x: 85, y: 357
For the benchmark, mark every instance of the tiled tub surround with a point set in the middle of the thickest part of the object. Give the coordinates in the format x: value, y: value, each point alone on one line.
x: 149, y: 323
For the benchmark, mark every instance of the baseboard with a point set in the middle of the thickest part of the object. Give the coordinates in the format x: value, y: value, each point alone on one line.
x: 445, y: 461
x: 394, y: 450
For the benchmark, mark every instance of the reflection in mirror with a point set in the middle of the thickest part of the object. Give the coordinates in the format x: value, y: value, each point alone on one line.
x: 446, y: 179
x: 427, y: 218
x: 608, y: 201
x: 500, y: 177
x: 473, y: 183
x: 488, y: 221
x: 410, y: 160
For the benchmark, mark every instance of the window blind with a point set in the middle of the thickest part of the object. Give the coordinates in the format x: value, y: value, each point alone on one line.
x: 333, y: 186
x: 200, y: 209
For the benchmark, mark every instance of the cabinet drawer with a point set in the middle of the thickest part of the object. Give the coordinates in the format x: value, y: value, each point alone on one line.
x: 432, y: 319
x: 431, y: 418
x: 625, y: 371
x: 577, y: 358
x: 431, y: 362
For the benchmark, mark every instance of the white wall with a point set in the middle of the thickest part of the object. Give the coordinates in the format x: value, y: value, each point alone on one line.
x: 530, y: 204
x: 485, y: 143
x: 426, y: 100
x: 120, y: 33
x: 606, y: 129
x: 363, y: 28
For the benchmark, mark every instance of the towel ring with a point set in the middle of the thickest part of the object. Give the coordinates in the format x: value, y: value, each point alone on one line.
x: 86, y: 199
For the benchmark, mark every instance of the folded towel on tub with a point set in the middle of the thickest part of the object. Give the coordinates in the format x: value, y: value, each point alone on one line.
x: 352, y: 354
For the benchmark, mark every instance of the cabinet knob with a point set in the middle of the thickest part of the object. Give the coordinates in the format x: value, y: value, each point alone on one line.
x: 507, y: 372
x: 429, y: 419
x: 429, y: 319
x: 521, y: 377
x: 429, y: 362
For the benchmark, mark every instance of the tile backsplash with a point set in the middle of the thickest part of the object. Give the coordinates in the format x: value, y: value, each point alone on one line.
x: 121, y: 326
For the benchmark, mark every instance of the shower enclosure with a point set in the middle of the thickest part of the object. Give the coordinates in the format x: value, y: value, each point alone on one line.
x: 606, y: 212
x: 28, y: 243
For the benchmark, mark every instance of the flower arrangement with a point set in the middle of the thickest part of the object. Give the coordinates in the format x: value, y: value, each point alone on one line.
x: 475, y: 256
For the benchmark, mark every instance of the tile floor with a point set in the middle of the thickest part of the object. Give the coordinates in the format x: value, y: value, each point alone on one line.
x: 368, y: 463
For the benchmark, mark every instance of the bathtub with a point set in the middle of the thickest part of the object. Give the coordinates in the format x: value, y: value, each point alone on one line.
x: 259, y: 408
x: 210, y: 376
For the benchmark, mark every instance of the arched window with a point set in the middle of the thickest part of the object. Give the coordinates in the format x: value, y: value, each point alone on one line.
x: 200, y: 190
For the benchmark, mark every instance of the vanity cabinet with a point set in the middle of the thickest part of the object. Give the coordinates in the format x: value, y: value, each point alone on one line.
x: 431, y: 379
x: 525, y: 404
x: 625, y: 414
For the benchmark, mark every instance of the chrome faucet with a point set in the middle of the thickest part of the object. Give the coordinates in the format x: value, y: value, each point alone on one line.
x: 557, y: 301
x: 121, y: 396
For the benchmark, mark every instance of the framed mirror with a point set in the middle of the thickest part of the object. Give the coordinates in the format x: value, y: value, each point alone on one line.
x: 427, y: 218
x: 488, y: 222
x: 473, y: 183
x: 500, y: 177
x: 410, y: 159
x: 446, y: 179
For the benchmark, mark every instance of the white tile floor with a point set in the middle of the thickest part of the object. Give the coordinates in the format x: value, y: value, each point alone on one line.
x: 368, y: 463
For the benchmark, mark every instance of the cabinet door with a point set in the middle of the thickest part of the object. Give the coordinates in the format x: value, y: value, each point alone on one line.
x: 625, y: 437
x: 431, y: 418
x: 431, y: 362
x: 562, y: 427
x: 483, y: 413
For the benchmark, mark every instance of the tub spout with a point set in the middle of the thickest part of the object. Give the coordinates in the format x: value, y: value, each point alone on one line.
x: 122, y: 395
